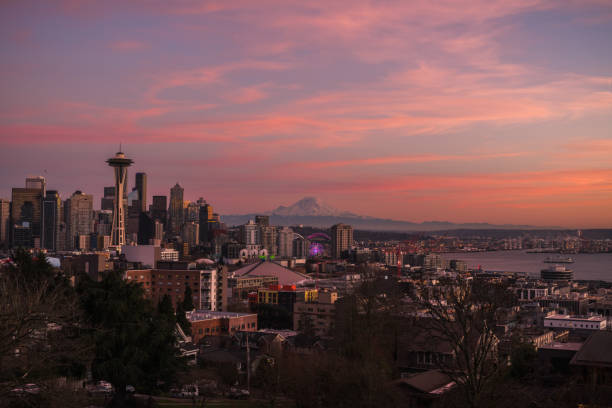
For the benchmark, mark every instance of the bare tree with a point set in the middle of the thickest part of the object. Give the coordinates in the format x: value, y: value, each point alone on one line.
x: 39, y: 325
x: 462, y: 313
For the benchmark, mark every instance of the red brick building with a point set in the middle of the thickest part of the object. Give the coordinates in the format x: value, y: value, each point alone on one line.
x: 205, y: 287
x: 206, y: 323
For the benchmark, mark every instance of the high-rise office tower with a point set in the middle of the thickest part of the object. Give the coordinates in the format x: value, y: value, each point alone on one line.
x: 267, y: 233
x: 141, y: 186
x: 103, y: 222
x: 262, y: 220
x: 5, y: 222
x: 37, y: 183
x: 176, y: 211
x: 51, y: 218
x: 159, y: 231
x: 267, y: 237
x: 119, y: 163
x: 132, y: 223
x: 132, y: 197
x: 62, y: 229
x: 109, y: 191
x: 79, y: 220
x: 159, y: 209
x: 191, y: 233
x: 342, y: 239
x: 26, y: 213
x: 249, y: 234
x: 108, y: 201
x: 285, y: 242
x: 300, y: 247
x: 192, y: 213
x: 206, y: 221
x: 146, y: 229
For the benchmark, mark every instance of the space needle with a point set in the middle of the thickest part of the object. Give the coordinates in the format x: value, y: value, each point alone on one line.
x: 120, y: 163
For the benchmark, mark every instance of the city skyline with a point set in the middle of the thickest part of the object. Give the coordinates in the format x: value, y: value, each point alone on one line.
x: 477, y: 112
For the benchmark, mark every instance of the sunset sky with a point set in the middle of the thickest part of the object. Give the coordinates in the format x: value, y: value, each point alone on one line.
x: 475, y: 111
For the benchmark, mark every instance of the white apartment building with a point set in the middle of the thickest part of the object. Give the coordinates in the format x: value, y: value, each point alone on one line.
x: 168, y: 254
x: 575, y: 322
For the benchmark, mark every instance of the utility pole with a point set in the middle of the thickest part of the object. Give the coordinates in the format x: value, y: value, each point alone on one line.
x: 248, y: 363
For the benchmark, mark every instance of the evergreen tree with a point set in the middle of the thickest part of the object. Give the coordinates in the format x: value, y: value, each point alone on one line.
x: 188, y: 299
x: 181, y: 319
x: 134, y: 343
x: 164, y: 307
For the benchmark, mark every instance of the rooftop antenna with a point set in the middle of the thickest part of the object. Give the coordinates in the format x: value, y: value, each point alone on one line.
x: 119, y: 146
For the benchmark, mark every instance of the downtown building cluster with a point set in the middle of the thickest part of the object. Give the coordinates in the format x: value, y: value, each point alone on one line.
x: 260, y: 292
x: 165, y: 245
x: 38, y: 218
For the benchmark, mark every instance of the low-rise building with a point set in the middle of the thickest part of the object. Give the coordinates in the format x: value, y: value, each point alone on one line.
x: 594, y: 359
x: 576, y: 306
x: 148, y: 255
x: 209, y: 323
x: 284, y: 275
x: 568, y: 322
x: 239, y: 287
x: 539, y: 337
x: 321, y: 313
x: 159, y: 282
x: 530, y: 292
x: 286, y: 296
x: 602, y: 307
x: 168, y: 254
x: 93, y: 264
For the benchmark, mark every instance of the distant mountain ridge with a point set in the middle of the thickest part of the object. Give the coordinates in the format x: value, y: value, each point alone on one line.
x: 309, y: 207
x: 311, y: 211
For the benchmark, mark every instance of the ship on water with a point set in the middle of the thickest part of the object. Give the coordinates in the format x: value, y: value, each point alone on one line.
x: 559, y: 259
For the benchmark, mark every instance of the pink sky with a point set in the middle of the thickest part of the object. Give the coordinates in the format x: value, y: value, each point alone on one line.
x: 475, y: 111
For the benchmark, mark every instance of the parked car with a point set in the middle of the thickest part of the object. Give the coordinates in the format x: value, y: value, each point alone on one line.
x: 101, y: 387
x: 238, y: 393
x: 27, y: 389
x: 187, y: 391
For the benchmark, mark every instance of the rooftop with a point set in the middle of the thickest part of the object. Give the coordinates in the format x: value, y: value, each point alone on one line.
x: 596, y: 351
x: 555, y: 345
x: 200, y: 315
x: 429, y: 382
x: 593, y: 318
x: 285, y: 276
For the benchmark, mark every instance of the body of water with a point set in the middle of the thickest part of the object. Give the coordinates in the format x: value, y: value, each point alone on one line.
x: 585, y: 266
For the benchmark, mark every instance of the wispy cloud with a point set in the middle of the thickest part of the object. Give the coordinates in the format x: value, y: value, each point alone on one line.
x: 443, y: 105
x: 128, y: 45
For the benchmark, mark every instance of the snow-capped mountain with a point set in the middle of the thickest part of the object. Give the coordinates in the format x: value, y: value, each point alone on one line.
x: 313, y: 212
x: 310, y: 207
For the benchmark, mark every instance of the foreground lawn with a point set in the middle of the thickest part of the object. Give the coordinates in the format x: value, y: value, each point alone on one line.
x: 217, y: 403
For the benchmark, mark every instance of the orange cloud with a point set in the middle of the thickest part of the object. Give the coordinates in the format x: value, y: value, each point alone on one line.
x: 421, y: 158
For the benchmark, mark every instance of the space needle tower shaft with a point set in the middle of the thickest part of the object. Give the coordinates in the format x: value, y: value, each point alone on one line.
x: 119, y: 163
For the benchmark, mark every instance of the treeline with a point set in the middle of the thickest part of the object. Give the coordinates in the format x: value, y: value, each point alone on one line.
x: 56, y: 329
x: 375, y: 327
